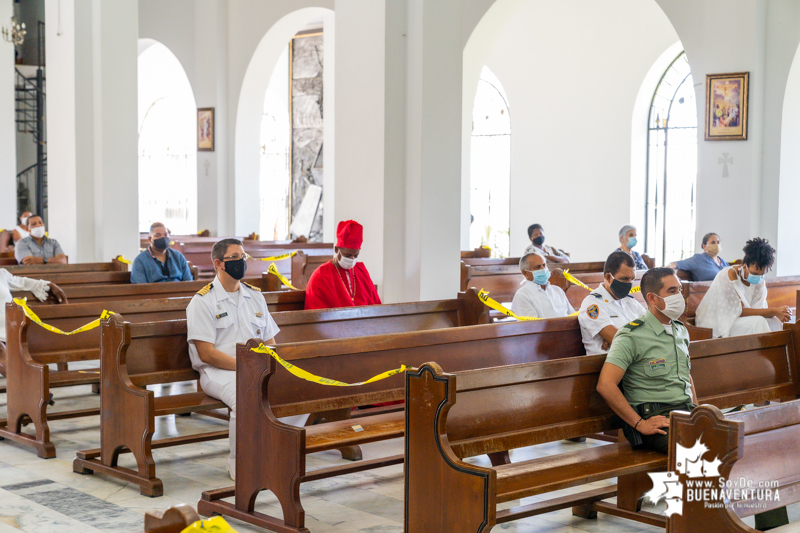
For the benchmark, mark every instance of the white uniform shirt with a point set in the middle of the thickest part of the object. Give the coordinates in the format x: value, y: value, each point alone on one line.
x: 8, y: 283
x: 534, y: 300
x: 217, y: 318
x: 599, y: 310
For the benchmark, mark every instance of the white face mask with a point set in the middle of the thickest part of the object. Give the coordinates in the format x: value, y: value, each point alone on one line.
x: 38, y: 232
x: 24, y: 221
x: 676, y: 305
x: 346, y: 262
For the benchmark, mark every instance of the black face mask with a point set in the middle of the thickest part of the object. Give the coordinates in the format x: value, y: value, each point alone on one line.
x: 236, y: 269
x: 620, y: 288
x: 161, y: 243
x: 538, y: 241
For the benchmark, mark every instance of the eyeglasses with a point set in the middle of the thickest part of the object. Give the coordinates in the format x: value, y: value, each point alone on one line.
x: 236, y: 257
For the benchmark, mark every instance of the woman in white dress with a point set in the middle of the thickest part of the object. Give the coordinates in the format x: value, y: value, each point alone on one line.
x: 736, y: 302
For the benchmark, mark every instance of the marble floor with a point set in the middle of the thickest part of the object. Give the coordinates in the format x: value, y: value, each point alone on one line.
x: 44, y: 496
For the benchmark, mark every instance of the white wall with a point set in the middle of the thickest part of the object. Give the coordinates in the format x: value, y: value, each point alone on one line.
x: 8, y: 166
x: 572, y: 72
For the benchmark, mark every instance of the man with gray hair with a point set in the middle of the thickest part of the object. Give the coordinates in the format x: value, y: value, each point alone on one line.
x: 627, y: 240
x: 158, y: 262
x: 538, y: 297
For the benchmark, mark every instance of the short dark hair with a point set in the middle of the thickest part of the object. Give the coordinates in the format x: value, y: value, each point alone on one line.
x: 533, y: 227
x: 615, y: 261
x: 34, y: 215
x: 158, y: 225
x: 652, y: 280
x: 758, y: 252
x: 707, y: 236
x: 220, y: 247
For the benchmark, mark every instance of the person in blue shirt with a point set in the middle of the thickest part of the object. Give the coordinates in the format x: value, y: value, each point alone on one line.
x: 627, y: 240
x: 159, y: 262
x: 704, y: 266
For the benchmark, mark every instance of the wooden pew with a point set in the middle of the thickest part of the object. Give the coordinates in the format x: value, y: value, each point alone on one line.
x: 30, y: 349
x: 261, y: 382
x: 173, y: 520
x: 452, y: 416
x: 756, y: 445
x: 304, y: 265
x: 130, y: 421
x: 43, y: 270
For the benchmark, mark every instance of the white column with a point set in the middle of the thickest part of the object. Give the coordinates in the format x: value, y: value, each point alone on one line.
x: 359, y: 127
x: 92, y: 127
x: 8, y: 141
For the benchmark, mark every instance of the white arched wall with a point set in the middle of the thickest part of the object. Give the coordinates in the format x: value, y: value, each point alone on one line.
x: 251, y: 108
x: 571, y: 144
x: 641, y: 113
x: 788, y: 214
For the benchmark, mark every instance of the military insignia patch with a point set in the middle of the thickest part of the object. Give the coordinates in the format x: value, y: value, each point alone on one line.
x: 658, y: 364
x: 593, y: 311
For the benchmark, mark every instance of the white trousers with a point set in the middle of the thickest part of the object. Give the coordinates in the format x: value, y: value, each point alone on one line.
x: 221, y: 384
x: 750, y: 325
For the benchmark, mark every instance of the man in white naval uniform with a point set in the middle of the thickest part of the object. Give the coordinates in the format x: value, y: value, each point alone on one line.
x: 223, y: 313
x: 538, y: 297
x: 610, y: 306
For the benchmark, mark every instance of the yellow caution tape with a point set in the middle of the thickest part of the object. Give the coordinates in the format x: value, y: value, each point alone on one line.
x: 575, y: 281
x: 30, y: 314
x: 122, y: 259
x: 276, y: 258
x: 494, y: 304
x: 302, y: 374
x: 636, y: 289
x: 216, y: 524
x: 274, y: 270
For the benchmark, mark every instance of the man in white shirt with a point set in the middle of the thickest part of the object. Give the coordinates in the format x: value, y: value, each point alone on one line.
x: 39, y: 288
x: 538, y: 297
x: 610, y: 306
x: 223, y: 313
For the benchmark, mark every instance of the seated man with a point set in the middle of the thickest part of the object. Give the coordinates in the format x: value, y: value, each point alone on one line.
x: 704, y: 266
x: 536, y: 235
x: 610, y: 306
x: 37, y: 249
x: 537, y: 297
x: 342, y: 281
x: 736, y: 302
x: 21, y: 231
x: 650, y: 356
x: 159, y: 262
x: 39, y: 288
x: 627, y: 240
x: 221, y: 314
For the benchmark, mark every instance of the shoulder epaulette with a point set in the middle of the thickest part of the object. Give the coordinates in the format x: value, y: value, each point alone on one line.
x: 596, y: 295
x: 635, y: 324
x: 251, y: 286
x: 204, y: 290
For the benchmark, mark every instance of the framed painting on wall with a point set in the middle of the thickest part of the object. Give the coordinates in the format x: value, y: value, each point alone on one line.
x: 726, y: 106
x: 205, y: 129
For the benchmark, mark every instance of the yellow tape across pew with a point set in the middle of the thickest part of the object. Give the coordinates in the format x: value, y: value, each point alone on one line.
x: 31, y: 315
x: 274, y: 270
x: 302, y: 374
x: 497, y: 306
x: 572, y: 279
x: 275, y: 258
x: 122, y: 259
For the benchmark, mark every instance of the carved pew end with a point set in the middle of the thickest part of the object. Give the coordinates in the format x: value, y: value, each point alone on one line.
x: 173, y: 520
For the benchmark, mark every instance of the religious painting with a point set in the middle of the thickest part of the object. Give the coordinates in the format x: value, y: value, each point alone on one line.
x: 205, y: 129
x: 306, y: 92
x: 726, y: 106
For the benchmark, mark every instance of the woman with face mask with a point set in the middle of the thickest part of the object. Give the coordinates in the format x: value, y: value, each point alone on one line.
x: 627, y: 240
x: 736, y: 302
x: 552, y: 254
x: 21, y: 231
x: 538, y: 297
x: 704, y: 266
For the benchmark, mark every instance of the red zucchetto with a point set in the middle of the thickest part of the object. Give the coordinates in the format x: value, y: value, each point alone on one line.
x: 349, y: 234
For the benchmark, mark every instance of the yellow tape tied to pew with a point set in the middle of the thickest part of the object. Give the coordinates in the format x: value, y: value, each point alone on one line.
x: 31, y: 315
x: 121, y: 259
x: 302, y: 374
x: 497, y: 306
x: 275, y: 258
x: 572, y: 279
x: 274, y: 270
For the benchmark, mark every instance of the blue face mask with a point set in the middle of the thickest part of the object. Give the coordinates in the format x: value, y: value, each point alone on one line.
x: 632, y: 242
x: 754, y: 279
x: 540, y: 277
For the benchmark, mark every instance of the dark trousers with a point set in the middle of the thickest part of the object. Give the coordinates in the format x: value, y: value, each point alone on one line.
x: 660, y: 443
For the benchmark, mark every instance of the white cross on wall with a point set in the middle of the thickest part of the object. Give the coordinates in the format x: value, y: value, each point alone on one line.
x: 724, y: 161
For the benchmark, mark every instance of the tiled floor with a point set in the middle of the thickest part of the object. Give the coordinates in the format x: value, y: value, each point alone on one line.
x: 45, y: 496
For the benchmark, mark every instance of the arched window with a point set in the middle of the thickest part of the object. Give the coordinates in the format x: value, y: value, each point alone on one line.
x: 167, y: 142
x: 490, y: 167
x: 671, y: 166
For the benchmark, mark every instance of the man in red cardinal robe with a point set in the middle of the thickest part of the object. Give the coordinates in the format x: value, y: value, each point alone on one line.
x: 342, y: 281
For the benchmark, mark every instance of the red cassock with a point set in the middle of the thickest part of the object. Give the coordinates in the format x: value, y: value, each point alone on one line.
x: 329, y: 286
